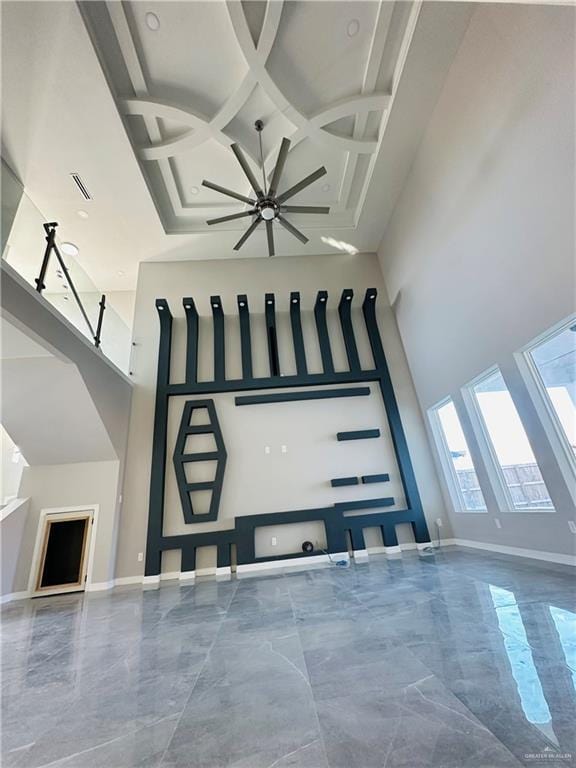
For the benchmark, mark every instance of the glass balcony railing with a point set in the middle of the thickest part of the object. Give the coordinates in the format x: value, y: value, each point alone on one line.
x: 67, y: 286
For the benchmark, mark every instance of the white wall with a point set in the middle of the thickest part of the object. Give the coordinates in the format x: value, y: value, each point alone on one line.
x: 255, y: 481
x: 13, y: 464
x: 69, y: 485
x: 478, y: 257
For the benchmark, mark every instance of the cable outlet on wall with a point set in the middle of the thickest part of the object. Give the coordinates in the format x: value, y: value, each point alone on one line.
x: 497, y: 523
x: 274, y: 541
x: 572, y: 526
x: 140, y: 556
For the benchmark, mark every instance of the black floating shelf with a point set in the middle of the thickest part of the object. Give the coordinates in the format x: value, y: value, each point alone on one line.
x: 314, y: 394
x: 337, y: 481
x: 365, y: 504
x: 361, y: 434
x: 375, y: 479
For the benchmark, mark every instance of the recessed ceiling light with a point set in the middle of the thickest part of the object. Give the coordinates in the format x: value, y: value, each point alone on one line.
x: 82, y: 214
x: 152, y: 21
x: 194, y: 190
x: 69, y: 249
x: 326, y: 188
x: 353, y: 28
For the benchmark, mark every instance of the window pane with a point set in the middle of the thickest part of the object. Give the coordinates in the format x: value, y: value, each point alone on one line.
x: 459, y: 454
x: 519, y: 468
x: 555, y: 360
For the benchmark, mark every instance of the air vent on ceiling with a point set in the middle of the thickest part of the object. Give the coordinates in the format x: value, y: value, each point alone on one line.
x: 81, y: 186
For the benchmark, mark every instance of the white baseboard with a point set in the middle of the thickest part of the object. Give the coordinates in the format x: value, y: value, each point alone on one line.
x: 100, y: 586
x: 14, y: 596
x: 534, y: 554
x: 206, y: 571
x: 150, y: 580
x: 187, y: 575
x: 124, y: 580
x: 224, y: 572
x: 170, y: 576
x: 360, y: 554
x: 273, y: 564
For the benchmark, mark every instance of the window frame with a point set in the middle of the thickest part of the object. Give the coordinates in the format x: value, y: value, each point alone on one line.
x: 565, y: 456
x: 497, y: 479
x: 446, y: 462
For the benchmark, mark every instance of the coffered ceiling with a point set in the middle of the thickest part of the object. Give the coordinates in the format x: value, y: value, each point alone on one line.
x: 143, y: 99
x: 191, y: 78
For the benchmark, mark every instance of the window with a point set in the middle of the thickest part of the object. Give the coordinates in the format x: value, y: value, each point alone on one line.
x: 519, y: 473
x: 457, y: 462
x: 553, y: 361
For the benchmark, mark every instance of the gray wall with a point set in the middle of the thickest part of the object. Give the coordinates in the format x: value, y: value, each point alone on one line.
x: 107, y: 399
x: 71, y: 485
x: 478, y: 257
x: 256, y: 481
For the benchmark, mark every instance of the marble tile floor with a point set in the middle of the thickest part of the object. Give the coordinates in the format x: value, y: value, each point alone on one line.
x: 453, y: 660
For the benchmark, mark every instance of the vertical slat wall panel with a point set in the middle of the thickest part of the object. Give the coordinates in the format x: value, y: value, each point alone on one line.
x: 271, y: 334
x: 344, y: 311
x: 219, y: 345
x: 245, y: 336
x: 191, y: 340
x: 322, y: 328
x: 297, y: 335
x: 159, y: 441
x: 396, y: 429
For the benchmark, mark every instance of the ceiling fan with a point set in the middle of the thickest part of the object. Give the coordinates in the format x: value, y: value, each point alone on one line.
x: 268, y: 205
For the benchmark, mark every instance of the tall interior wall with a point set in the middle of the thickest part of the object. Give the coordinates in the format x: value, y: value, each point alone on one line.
x: 256, y: 480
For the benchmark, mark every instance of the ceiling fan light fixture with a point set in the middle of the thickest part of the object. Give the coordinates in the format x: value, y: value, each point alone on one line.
x: 268, y: 212
x: 268, y: 205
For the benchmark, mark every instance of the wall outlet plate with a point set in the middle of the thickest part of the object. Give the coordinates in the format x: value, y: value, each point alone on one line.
x: 284, y: 449
x: 140, y: 556
x: 572, y: 526
x: 497, y: 523
x: 266, y: 449
x: 439, y: 522
x: 274, y: 541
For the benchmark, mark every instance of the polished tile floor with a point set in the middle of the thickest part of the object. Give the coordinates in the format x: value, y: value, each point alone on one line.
x: 449, y: 660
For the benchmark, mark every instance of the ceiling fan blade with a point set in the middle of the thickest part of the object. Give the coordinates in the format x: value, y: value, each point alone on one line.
x: 247, y: 170
x: 292, y: 229
x: 228, y: 192
x: 247, y: 234
x: 279, y: 167
x: 306, y: 208
x: 301, y: 185
x: 270, y: 235
x: 232, y: 216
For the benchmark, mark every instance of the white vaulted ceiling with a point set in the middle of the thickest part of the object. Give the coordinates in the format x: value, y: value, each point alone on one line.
x: 144, y: 115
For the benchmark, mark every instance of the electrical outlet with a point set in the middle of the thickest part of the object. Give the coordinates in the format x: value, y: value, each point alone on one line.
x: 266, y: 449
x: 274, y: 541
x: 572, y: 526
x: 497, y: 523
x: 439, y: 522
x: 140, y: 556
x: 284, y: 449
